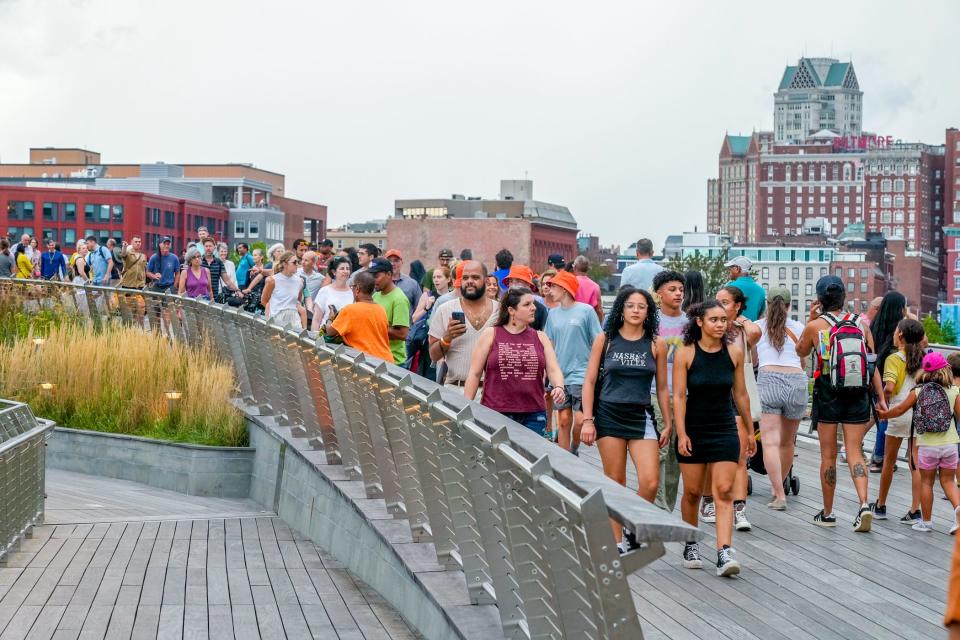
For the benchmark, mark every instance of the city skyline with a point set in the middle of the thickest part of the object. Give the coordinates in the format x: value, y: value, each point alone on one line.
x: 617, y: 115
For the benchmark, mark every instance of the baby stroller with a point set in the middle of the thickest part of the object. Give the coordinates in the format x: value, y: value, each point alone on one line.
x: 791, y: 483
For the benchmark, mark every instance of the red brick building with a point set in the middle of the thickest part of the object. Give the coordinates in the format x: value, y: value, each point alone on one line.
x: 68, y: 215
x: 951, y: 206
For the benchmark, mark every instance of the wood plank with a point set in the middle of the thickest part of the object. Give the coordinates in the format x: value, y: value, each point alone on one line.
x: 195, y: 622
x: 220, y: 622
x: 121, y: 622
x: 147, y: 622
x: 46, y: 624
x: 245, y: 622
x: 20, y: 624
x: 171, y: 622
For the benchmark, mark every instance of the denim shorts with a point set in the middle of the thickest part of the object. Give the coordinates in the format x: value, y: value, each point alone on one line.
x: 536, y: 421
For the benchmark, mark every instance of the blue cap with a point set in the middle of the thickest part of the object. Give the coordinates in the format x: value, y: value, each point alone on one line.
x: 826, y: 283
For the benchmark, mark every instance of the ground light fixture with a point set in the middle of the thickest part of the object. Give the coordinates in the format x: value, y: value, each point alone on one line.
x: 46, y: 389
x: 172, y: 397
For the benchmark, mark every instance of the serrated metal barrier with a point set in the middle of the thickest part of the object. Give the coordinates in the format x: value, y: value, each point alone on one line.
x: 22, y: 473
x: 527, y: 523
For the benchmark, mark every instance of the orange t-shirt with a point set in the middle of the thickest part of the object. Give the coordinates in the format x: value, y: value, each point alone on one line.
x: 952, y: 614
x: 363, y: 326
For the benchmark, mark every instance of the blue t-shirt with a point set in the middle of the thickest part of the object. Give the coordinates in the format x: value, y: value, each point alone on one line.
x: 572, y: 332
x: 98, y: 259
x: 243, y: 267
x: 501, y: 274
x: 756, y: 296
x: 167, y: 266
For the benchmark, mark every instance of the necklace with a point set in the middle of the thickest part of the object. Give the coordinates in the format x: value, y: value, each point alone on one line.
x: 477, y: 320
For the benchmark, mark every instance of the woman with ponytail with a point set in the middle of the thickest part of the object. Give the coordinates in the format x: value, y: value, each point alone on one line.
x: 782, y: 386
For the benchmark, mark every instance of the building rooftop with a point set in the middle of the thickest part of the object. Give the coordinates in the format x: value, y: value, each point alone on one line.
x: 811, y: 73
x: 739, y: 144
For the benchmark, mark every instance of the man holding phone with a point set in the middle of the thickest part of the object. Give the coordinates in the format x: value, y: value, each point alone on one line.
x: 455, y: 326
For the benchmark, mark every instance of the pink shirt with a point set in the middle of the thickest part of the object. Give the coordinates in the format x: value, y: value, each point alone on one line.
x: 588, y: 292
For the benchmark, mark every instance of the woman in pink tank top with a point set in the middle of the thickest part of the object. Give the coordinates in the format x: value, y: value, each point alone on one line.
x: 513, y: 359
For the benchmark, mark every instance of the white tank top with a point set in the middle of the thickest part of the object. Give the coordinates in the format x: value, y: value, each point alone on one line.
x: 286, y: 292
x: 767, y: 354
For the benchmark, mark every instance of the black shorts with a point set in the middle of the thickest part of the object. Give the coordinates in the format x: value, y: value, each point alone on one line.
x: 839, y: 407
x: 716, y: 445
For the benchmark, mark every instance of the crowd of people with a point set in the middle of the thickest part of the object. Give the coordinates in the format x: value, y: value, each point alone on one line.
x: 681, y: 384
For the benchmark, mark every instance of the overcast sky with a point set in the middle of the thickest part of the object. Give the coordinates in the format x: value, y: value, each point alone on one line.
x: 616, y: 110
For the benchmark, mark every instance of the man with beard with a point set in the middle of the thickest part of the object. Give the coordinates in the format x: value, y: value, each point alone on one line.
x: 452, y: 338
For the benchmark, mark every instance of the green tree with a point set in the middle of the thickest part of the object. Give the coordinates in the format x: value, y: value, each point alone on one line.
x: 937, y: 333
x: 715, y: 275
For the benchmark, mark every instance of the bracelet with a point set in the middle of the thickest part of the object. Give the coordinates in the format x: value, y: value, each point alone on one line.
x: 445, y: 344
x: 587, y: 420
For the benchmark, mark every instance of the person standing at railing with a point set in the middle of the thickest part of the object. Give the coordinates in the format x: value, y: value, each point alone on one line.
x: 456, y: 325
x: 282, y: 293
x: 100, y: 260
x: 618, y: 415
x: 361, y: 325
x: 8, y: 264
x: 513, y: 359
x: 706, y: 372
x: 572, y: 328
x: 52, y: 263
x: 24, y: 266
x: 134, y: 265
x: 163, y: 268
x: 195, y: 281
x: 335, y: 296
x: 395, y: 303
x: 244, y: 264
x: 213, y: 264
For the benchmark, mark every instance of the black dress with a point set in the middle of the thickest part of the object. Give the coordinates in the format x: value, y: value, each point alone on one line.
x: 623, y: 407
x: 709, y: 420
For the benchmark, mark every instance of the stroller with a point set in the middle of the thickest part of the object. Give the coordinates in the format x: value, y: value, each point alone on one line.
x: 791, y: 483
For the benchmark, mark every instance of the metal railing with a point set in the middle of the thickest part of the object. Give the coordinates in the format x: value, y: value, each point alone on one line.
x: 526, y: 522
x: 22, y: 473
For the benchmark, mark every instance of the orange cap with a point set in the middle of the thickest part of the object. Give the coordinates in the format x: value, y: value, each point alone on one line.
x: 393, y: 253
x: 459, y: 279
x: 567, y: 281
x: 521, y: 272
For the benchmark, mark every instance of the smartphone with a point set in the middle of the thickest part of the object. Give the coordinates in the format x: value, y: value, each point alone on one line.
x: 458, y: 316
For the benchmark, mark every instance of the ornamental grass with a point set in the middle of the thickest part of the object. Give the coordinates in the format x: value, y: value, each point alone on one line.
x: 116, y: 379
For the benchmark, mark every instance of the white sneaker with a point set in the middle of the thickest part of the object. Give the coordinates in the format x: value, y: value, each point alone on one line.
x: 740, y: 522
x: 708, y: 511
x: 920, y: 525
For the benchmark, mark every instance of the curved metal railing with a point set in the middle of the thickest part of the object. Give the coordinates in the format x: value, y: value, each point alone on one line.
x: 526, y: 522
x: 22, y: 473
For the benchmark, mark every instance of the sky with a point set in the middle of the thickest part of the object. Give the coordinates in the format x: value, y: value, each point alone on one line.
x: 616, y: 110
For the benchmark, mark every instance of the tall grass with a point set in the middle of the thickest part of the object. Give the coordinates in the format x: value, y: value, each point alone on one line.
x: 114, y: 380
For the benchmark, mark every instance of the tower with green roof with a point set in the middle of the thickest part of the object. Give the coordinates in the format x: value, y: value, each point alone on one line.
x: 817, y: 94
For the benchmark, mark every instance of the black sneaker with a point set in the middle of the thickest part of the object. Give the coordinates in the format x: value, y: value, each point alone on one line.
x: 726, y: 565
x: 691, y: 556
x: 824, y: 520
x: 879, y: 511
x: 911, y: 517
x: 861, y: 524
x: 631, y: 539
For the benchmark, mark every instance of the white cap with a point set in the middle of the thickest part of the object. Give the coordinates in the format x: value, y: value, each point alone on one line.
x: 740, y: 261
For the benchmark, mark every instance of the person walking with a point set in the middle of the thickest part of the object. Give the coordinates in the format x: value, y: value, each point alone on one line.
x: 588, y: 291
x: 513, y: 359
x: 335, y: 296
x: 195, y: 282
x: 887, y: 316
x: 841, y: 394
x: 668, y: 287
x: 283, y: 292
x: 362, y: 324
x: 572, y: 327
x: 936, y: 404
x: 618, y: 415
x: 900, y: 371
x: 706, y: 372
x: 741, y: 279
x: 782, y: 387
x: 640, y: 274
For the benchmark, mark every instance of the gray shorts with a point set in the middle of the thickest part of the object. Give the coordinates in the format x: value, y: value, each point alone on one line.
x: 572, y: 398
x: 783, y: 393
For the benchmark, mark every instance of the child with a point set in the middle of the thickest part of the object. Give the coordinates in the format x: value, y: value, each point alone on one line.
x: 935, y: 433
x: 899, y: 378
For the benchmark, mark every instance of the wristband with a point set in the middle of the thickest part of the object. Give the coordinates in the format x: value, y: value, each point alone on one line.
x: 444, y: 343
x: 587, y: 420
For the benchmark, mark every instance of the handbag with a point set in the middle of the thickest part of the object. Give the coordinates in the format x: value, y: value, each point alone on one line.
x: 750, y: 378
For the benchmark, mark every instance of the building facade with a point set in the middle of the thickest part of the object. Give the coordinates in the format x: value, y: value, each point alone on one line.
x: 815, y: 95
x: 357, y: 233
x: 67, y: 215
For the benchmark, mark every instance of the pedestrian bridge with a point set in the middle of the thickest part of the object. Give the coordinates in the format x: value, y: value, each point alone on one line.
x: 383, y: 506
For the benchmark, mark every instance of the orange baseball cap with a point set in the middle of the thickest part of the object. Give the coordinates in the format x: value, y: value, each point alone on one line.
x: 393, y: 253
x: 459, y: 279
x: 521, y: 272
x: 567, y: 281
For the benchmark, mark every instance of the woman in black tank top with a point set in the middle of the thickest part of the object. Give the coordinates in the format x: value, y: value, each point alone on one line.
x: 705, y: 372
x: 617, y: 409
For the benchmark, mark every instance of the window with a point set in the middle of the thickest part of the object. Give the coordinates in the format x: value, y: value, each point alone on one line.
x: 808, y: 291
x: 169, y: 219
x: 898, y: 201
x: 239, y: 229
x: 117, y: 213
x: 20, y: 210
x: 795, y: 273
x: 863, y: 287
x: 795, y: 289
x: 70, y: 237
x: 956, y: 283
x: 898, y: 185
x: 70, y: 212
x: 765, y: 272
x: 783, y: 273
x: 254, y: 229
x: 886, y: 201
x: 50, y: 211
x: 823, y: 271
x: 97, y: 213
x: 49, y: 234
x: 886, y: 184
x: 849, y: 287
x: 864, y: 273
x: 851, y: 273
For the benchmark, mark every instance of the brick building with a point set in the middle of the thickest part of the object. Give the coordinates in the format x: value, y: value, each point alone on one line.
x: 68, y: 215
x: 951, y: 207
x: 530, y: 229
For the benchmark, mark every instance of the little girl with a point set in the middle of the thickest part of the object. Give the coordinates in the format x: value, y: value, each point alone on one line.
x: 937, y: 443
x: 899, y: 378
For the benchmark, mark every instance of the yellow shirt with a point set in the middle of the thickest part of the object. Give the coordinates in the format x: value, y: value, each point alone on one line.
x: 895, y: 370
x: 24, y: 266
x: 950, y: 436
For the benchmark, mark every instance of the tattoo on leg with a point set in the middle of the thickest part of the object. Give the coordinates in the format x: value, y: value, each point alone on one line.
x: 859, y: 471
x: 830, y: 476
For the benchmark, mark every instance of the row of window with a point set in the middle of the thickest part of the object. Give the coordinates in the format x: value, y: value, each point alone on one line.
x: 246, y: 229
x: 808, y: 272
x: 823, y: 199
x: 66, y: 238
x: 24, y: 210
x: 812, y: 175
x: 823, y: 211
x: 816, y: 190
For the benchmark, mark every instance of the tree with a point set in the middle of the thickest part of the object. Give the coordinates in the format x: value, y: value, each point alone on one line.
x: 937, y: 333
x: 715, y: 275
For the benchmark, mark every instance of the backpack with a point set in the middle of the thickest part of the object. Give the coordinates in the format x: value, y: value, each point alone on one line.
x: 847, y: 367
x: 932, y: 412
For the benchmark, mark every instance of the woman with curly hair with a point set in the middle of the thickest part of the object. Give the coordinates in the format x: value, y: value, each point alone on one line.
x: 618, y: 412
x: 706, y: 372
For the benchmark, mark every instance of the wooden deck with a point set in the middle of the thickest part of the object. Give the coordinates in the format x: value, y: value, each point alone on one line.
x: 122, y: 560
x: 800, y: 581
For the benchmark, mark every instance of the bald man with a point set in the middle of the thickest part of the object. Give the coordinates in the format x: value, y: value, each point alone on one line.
x: 873, y: 308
